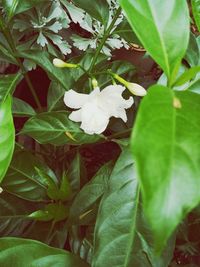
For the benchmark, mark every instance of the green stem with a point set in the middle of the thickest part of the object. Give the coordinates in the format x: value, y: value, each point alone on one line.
x: 10, y: 41
x: 106, y: 35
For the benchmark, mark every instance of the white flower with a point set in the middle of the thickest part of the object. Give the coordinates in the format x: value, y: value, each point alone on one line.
x: 95, y: 109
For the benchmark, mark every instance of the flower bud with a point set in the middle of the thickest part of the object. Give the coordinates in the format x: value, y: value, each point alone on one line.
x: 61, y: 64
x: 94, y: 83
x: 134, y: 88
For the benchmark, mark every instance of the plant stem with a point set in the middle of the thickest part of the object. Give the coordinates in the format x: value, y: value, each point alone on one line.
x: 106, y: 35
x: 10, y: 41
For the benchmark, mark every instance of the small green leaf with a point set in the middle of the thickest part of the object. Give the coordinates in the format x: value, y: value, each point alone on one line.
x: 164, y: 37
x: 21, y: 108
x: 54, y: 128
x: 192, y: 55
x: 7, y: 136
x: 25, y: 252
x: 165, y: 144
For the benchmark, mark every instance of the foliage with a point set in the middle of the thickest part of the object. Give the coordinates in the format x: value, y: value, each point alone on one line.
x: 125, y: 196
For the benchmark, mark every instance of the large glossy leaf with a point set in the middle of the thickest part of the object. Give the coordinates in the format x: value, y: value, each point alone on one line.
x: 22, y: 108
x: 166, y: 147
x: 42, y: 59
x: 163, y: 29
x: 23, y: 180
x: 8, y: 84
x: 16, y: 252
x: 55, y: 128
x: 7, y: 136
x: 116, y: 221
x: 196, y: 12
x: 98, y: 9
x: 122, y: 235
x: 13, y: 7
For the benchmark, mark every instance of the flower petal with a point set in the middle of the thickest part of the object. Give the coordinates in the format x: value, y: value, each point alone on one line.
x: 75, y: 100
x: 76, y: 116
x: 94, y: 120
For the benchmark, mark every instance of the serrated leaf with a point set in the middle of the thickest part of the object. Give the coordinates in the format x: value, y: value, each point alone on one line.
x: 25, y: 252
x: 22, y: 108
x: 7, y: 136
x: 164, y: 37
x: 51, y: 128
x: 166, y: 149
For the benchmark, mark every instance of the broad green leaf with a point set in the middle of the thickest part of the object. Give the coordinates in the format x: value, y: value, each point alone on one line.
x: 187, y: 76
x: 42, y: 59
x: 7, y: 136
x: 21, y: 108
x: 163, y: 29
x: 8, y: 84
x: 98, y: 9
x: 55, y: 128
x: 18, y: 252
x: 13, y: 7
x: 116, y: 221
x: 165, y: 144
x: 196, y: 12
x: 23, y: 180
x: 55, y: 96
x: 89, y: 194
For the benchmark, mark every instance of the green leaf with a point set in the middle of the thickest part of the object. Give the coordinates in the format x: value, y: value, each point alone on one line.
x: 8, y: 84
x: 187, y: 76
x: 55, y: 128
x: 116, y: 221
x: 165, y: 37
x: 43, y: 59
x: 25, y: 252
x: 23, y: 180
x: 13, y: 7
x: 55, y: 96
x: 7, y: 136
x: 196, y: 12
x: 192, y: 55
x: 13, y: 210
x: 21, y: 108
x: 125, y: 31
x: 53, y: 211
x: 98, y: 9
x: 165, y: 144
x: 89, y: 194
